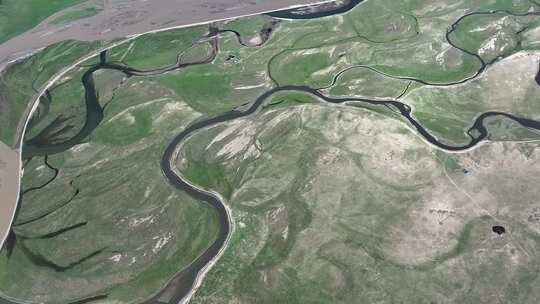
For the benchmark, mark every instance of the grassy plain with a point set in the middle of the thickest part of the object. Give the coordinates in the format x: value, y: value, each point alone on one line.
x: 493, y: 35
x: 155, y: 50
x: 249, y: 28
x: 415, y: 31
x: 365, y: 82
x: 19, y: 82
x: 331, y: 204
x: 450, y: 111
x: 133, y: 231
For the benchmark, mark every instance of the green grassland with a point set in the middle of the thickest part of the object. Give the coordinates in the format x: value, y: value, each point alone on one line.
x: 504, y: 129
x: 65, y: 101
x: 287, y: 99
x: 330, y: 204
x: 141, y: 114
x: 493, y: 35
x: 415, y: 32
x: 365, y: 82
x: 248, y: 27
x: 449, y: 111
x: 141, y: 229
x: 17, y: 17
x: 155, y: 50
x: 20, y: 82
x: 224, y: 84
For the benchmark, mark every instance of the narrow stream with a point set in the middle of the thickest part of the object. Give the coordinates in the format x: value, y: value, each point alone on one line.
x: 183, y: 282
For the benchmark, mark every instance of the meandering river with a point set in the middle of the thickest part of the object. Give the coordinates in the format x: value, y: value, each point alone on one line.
x: 182, y: 284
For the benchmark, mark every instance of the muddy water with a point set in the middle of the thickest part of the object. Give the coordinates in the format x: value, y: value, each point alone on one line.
x: 9, y: 183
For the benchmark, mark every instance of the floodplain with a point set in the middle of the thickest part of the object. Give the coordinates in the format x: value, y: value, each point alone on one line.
x: 371, y: 166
